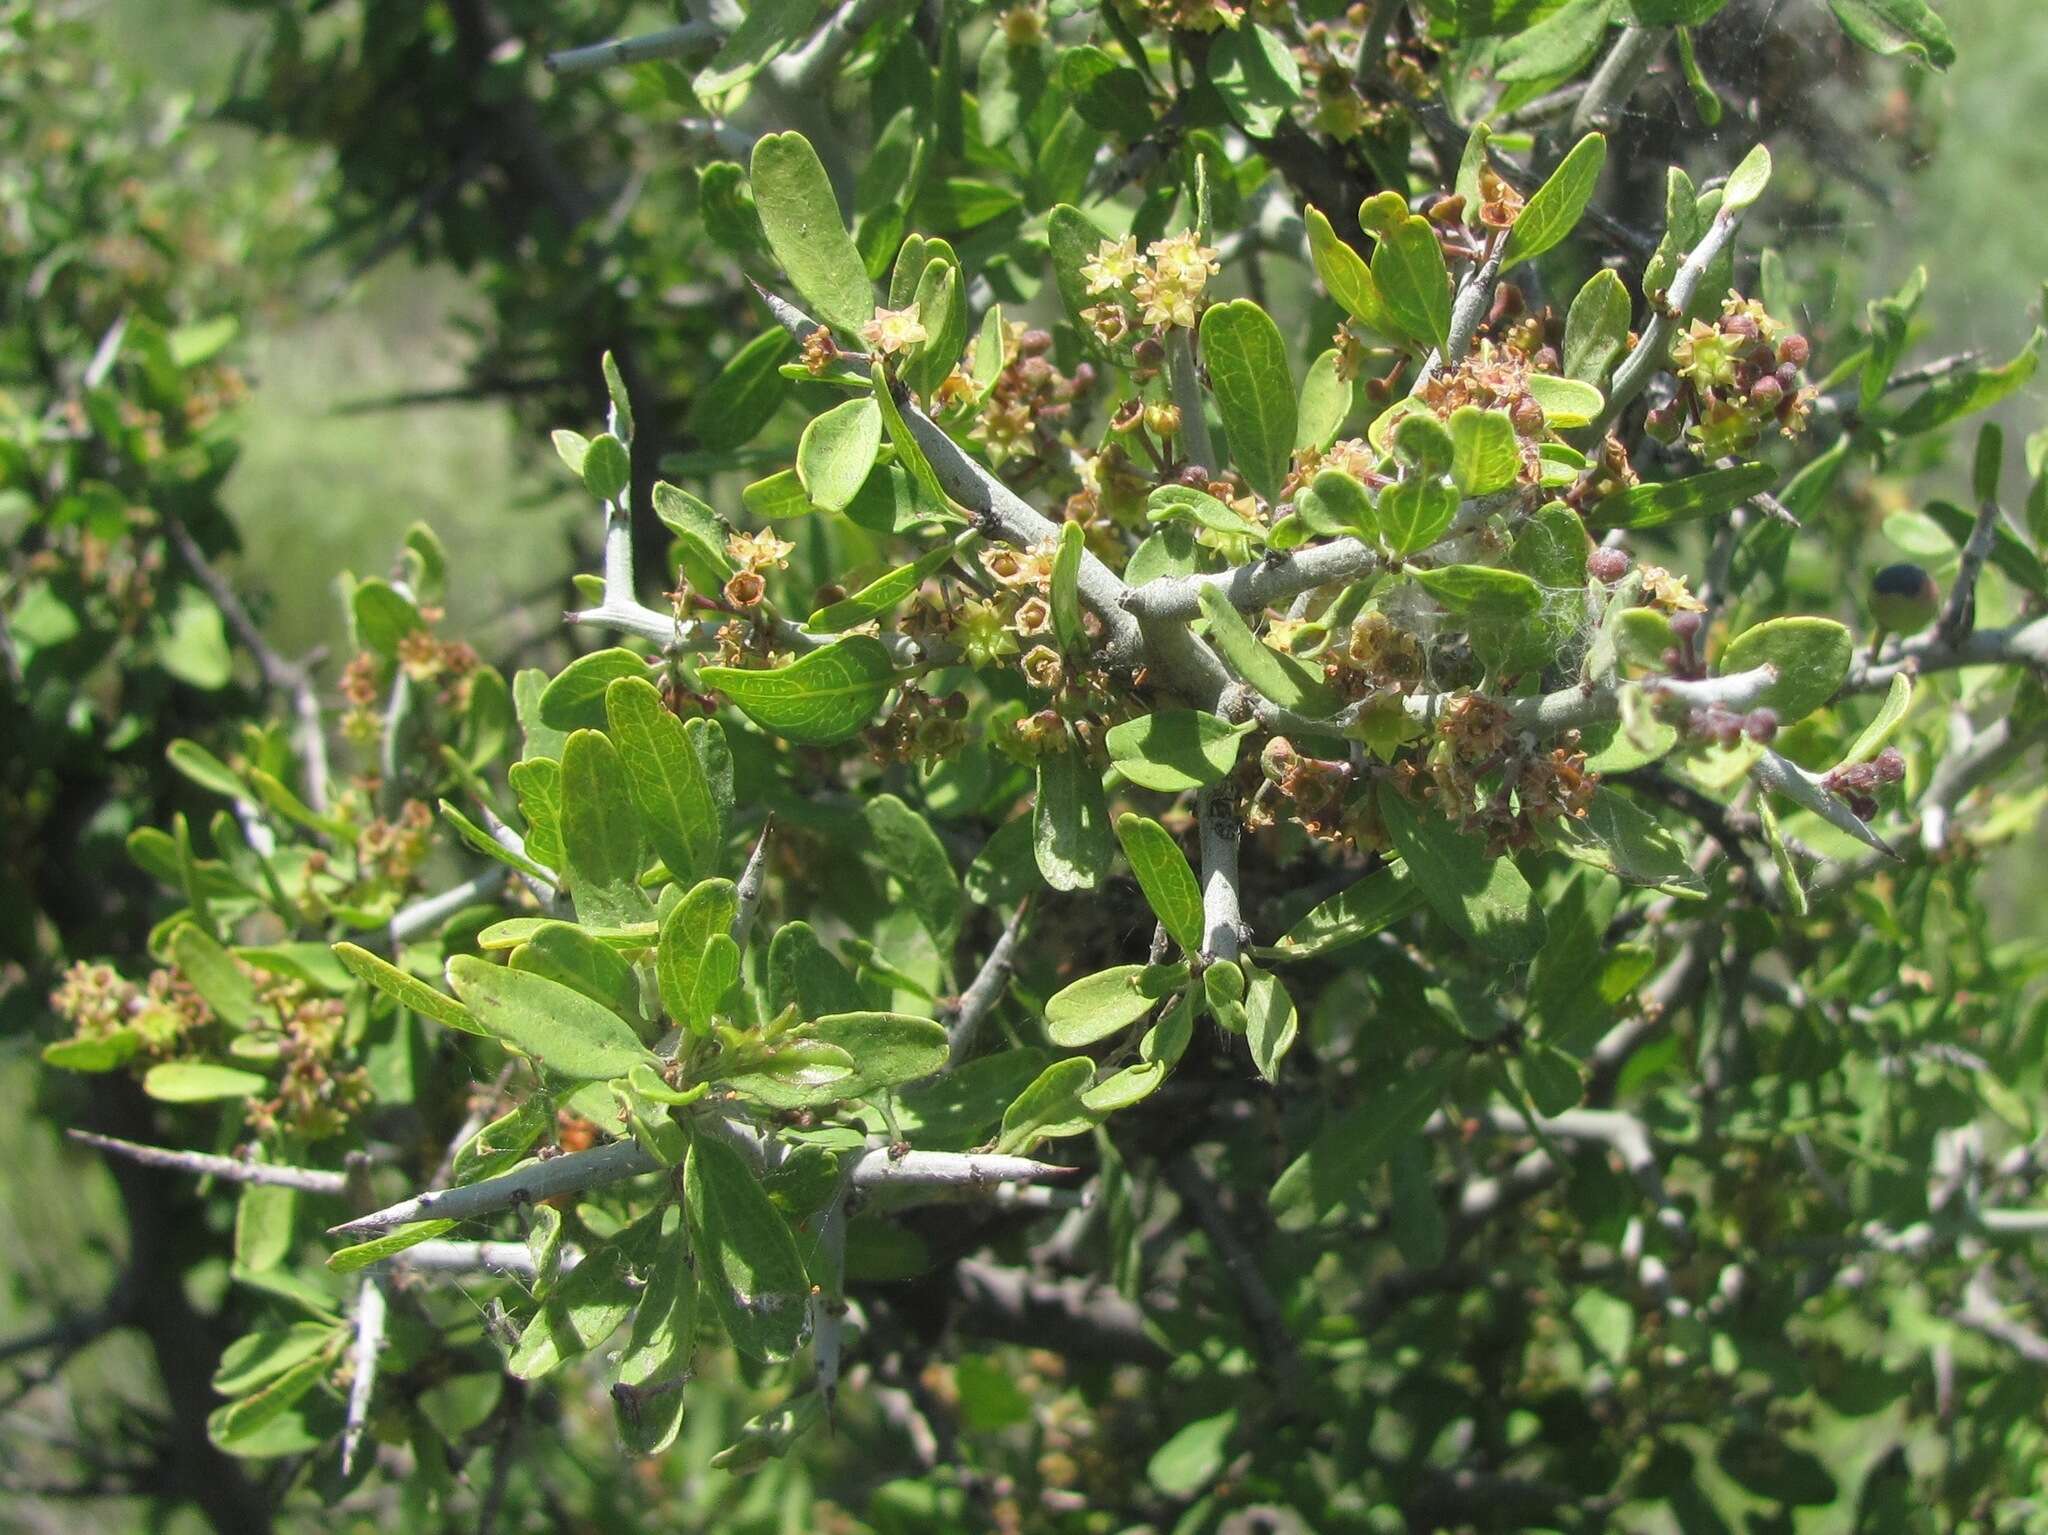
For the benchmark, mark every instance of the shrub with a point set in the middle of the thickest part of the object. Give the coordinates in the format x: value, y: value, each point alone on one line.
x: 1211, y: 905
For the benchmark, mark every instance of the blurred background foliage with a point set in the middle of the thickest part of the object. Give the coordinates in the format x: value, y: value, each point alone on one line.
x: 351, y: 306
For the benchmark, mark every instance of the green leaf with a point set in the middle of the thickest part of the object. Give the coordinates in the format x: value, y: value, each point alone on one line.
x: 1281, y: 678
x: 1332, y: 1173
x: 837, y: 452
x: 1050, y: 1108
x: 1184, y: 503
x: 1354, y: 914
x: 1485, y: 456
x: 1483, y: 593
x: 1254, y: 71
x: 1707, y: 494
x: 741, y: 398
x: 659, y: 1348
x: 1347, y: 277
x: 607, y: 468
x: 884, y: 1050
x: 956, y: 1110
x: 102, y: 1052
x: 1098, y: 1005
x: 601, y: 833
x: 1618, y: 836
x: 1558, y: 46
x: 1747, y: 181
x: 820, y: 698
x: 1413, y: 513
x: 705, y: 911
x: 583, y: 1310
x: 802, y: 973
x: 1193, y: 1457
x: 1897, y: 26
x: 1108, y: 95
x: 1812, y: 656
x: 256, y: 1357
x: 574, y: 700
x: 1065, y: 589
x: 1554, y: 209
x: 1871, y: 739
x: 1566, y: 402
x: 700, y: 539
x: 200, y: 1082
x: 747, y: 1261
x: 1326, y: 401
x: 408, y: 990
x: 350, y: 1260
x: 566, y: 1031
x: 1254, y: 390
x: 879, y: 596
x: 206, y: 770
x: 769, y: 28
x: 213, y: 973
x: 800, y: 219
x: 567, y: 954
x: 1166, y: 877
x: 1174, y: 750
x: 1070, y: 821
x: 2008, y: 552
x: 941, y: 304
x: 1973, y: 389
x: 1270, y: 1023
x: 669, y: 789
x: 1484, y: 899
x: 1596, y: 330
x: 912, y: 852
x: 1414, y: 282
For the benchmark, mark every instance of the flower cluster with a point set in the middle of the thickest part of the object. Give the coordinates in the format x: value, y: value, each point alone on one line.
x: 1029, y: 399
x: 163, y: 1012
x: 392, y: 850
x: 1166, y: 285
x: 1857, y: 783
x: 920, y: 728
x: 1735, y: 378
x: 314, y: 1099
x: 893, y: 330
x: 756, y: 554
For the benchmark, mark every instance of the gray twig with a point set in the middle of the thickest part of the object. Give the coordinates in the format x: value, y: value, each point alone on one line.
x: 984, y: 991
x: 370, y: 1312
x: 205, y: 1165
x: 753, y: 880
x: 664, y: 43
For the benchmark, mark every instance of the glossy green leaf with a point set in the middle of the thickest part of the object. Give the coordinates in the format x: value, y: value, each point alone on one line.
x: 1414, y: 282
x: 1566, y: 402
x: 574, y: 700
x: 1414, y: 513
x: 1050, y: 1107
x: 408, y: 990
x: 607, y: 468
x: 880, y: 596
x: 566, y: 1031
x: 1271, y: 1026
x: 1347, y: 277
x: 744, y: 394
x: 1897, y: 26
x: 1555, y: 208
x: 1184, y: 503
x: 913, y: 854
x: 1250, y: 378
x: 1485, y: 456
x: 565, y: 953
x: 1972, y: 389
x: 1098, y: 1005
x: 1354, y: 914
x: 746, y: 1259
x: 1707, y: 494
x: 837, y: 452
x: 769, y: 28
x: 1070, y: 821
x: 602, y: 842
x: 1164, y: 874
x: 1596, y: 329
x: 1281, y: 678
x: 1254, y: 71
x: 818, y: 699
x: 583, y: 1310
x: 1065, y: 589
x: 1486, y: 900
x: 1558, y: 46
x: 1326, y: 400
x: 350, y: 1260
x: 1812, y: 656
x: 800, y: 218
x: 201, y: 1082
x: 1746, y: 183
x: 1483, y: 593
x: 1174, y: 750
x: 804, y: 974
x: 669, y: 789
